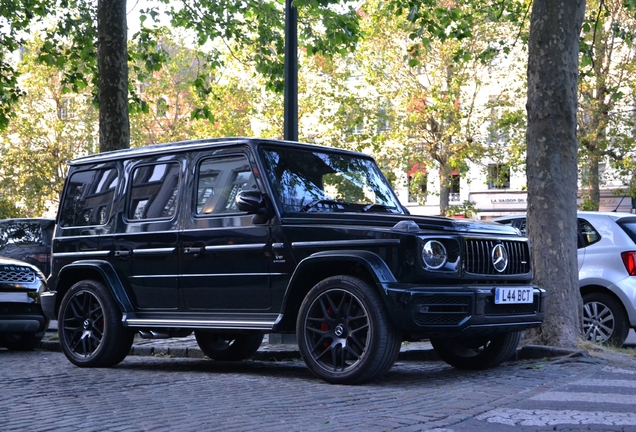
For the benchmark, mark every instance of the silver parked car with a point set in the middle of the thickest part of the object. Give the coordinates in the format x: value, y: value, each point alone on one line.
x: 607, y: 272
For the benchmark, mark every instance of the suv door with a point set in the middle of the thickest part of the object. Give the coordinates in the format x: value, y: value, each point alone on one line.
x: 84, y: 222
x: 147, y: 234
x: 225, y: 258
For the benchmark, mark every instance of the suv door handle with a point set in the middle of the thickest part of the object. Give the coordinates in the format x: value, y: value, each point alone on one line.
x: 122, y: 254
x: 196, y: 251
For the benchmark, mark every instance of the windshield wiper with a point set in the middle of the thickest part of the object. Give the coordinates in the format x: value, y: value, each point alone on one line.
x: 314, y: 203
x: 375, y: 207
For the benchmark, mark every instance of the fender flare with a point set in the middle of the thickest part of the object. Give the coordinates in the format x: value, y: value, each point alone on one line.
x: 108, y: 274
x: 375, y: 266
x: 371, y: 261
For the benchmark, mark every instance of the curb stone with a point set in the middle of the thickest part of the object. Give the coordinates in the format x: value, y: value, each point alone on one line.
x: 417, y: 351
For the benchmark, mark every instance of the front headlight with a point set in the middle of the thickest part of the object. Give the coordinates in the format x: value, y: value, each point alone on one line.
x: 434, y: 254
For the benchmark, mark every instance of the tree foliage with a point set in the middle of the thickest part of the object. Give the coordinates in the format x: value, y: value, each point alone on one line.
x: 177, y: 110
x: 52, y: 126
x: 17, y: 17
x: 606, y: 112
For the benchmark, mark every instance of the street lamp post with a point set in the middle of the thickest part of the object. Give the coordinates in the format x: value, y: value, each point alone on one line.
x: 291, y: 73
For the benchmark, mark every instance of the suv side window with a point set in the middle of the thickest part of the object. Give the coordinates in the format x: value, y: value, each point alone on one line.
x: 154, y: 191
x: 89, y: 197
x: 219, y: 182
x: 588, y: 233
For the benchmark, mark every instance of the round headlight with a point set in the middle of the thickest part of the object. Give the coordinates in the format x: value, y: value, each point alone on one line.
x: 434, y: 254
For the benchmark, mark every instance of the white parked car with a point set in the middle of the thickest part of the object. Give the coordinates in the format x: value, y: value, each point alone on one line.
x: 607, y: 272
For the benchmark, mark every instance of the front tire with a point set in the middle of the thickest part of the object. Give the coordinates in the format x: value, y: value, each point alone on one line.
x: 90, y: 328
x: 477, y: 353
x: 604, y: 320
x: 344, y: 332
x: 228, y: 347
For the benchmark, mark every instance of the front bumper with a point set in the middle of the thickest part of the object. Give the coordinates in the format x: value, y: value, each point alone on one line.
x: 425, y: 312
x: 22, y: 318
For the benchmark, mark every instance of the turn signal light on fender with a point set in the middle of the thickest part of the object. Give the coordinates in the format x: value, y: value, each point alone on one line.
x: 629, y: 259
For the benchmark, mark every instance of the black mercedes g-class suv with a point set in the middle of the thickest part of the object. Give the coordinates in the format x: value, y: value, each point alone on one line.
x: 234, y: 238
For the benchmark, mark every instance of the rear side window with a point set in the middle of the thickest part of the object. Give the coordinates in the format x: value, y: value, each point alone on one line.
x: 154, y: 192
x: 588, y: 233
x: 89, y: 197
x: 629, y: 226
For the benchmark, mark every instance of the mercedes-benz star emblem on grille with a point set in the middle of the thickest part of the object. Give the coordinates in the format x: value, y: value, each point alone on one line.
x: 499, y: 258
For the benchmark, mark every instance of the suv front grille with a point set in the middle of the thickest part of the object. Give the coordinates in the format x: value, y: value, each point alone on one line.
x: 478, y: 256
x: 16, y: 274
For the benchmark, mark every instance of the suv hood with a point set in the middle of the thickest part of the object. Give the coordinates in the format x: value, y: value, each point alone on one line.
x: 411, y: 224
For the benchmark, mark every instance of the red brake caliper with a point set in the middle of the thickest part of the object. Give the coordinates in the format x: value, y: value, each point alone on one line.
x: 325, y: 327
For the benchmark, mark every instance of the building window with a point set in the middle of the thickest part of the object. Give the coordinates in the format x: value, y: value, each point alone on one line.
x: 384, y: 123
x: 64, y: 110
x: 162, y: 107
x: 417, y: 183
x: 498, y: 176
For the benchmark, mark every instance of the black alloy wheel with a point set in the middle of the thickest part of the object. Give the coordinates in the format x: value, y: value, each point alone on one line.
x: 477, y: 353
x: 344, y: 332
x: 90, y: 328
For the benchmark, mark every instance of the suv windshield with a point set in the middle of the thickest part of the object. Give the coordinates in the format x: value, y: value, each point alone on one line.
x: 314, y: 181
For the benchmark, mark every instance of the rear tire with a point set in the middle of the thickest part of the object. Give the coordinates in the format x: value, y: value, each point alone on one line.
x: 90, y: 328
x: 21, y: 341
x: 477, y: 353
x: 604, y: 320
x: 228, y: 347
x: 344, y: 332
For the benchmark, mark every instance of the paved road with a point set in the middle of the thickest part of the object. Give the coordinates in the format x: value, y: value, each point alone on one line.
x: 42, y: 391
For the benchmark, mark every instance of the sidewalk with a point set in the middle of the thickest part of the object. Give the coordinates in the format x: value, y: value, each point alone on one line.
x: 187, y: 347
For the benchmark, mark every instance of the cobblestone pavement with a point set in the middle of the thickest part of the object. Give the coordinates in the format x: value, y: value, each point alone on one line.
x: 42, y: 391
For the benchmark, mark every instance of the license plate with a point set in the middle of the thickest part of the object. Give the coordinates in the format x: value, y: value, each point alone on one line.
x: 13, y: 297
x: 513, y: 295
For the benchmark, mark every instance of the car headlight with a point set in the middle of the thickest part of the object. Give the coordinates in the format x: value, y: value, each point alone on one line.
x: 434, y: 254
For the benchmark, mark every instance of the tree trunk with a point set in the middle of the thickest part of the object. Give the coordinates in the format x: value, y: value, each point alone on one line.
x: 112, y: 65
x: 595, y: 180
x: 444, y: 189
x: 553, y: 50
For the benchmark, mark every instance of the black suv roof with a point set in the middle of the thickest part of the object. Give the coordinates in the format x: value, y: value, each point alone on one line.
x: 196, y: 144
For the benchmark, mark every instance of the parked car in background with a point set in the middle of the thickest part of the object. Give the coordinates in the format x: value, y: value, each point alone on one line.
x: 22, y: 322
x: 28, y: 240
x: 607, y: 272
x: 233, y: 238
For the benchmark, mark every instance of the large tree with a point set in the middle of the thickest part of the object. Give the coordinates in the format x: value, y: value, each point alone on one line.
x: 553, y: 59
x: 551, y: 166
x: 418, y: 111
x: 112, y: 70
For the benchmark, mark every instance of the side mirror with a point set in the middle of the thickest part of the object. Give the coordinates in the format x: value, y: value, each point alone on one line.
x: 250, y: 201
x: 254, y: 202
